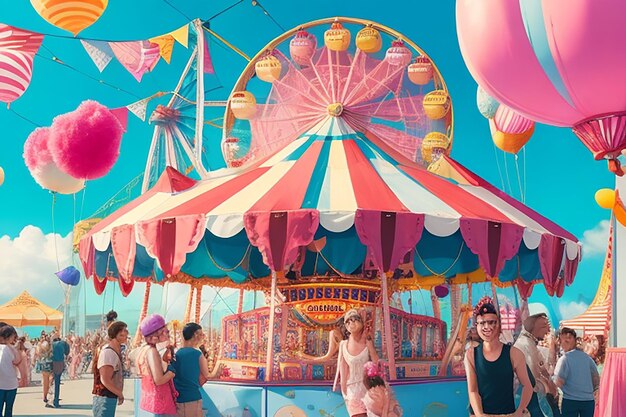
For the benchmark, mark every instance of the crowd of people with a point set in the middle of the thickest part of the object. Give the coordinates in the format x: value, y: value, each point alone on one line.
x: 493, y: 368
x: 540, y: 375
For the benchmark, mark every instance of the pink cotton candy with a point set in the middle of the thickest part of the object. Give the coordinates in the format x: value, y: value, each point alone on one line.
x: 86, y: 142
x: 36, y: 152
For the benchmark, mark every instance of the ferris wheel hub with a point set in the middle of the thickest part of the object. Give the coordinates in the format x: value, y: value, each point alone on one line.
x: 335, y: 109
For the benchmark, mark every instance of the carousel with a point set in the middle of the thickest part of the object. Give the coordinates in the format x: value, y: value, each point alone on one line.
x: 339, y: 193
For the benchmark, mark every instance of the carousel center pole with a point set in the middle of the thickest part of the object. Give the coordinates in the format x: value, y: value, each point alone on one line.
x: 269, y: 359
x: 391, y: 359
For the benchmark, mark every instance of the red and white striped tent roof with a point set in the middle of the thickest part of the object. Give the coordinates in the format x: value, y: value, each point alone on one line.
x: 333, y: 178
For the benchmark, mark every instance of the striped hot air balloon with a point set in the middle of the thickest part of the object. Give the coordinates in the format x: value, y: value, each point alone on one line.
x: 17, y: 52
x: 70, y: 15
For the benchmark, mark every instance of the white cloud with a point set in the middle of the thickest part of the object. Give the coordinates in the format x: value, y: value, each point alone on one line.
x: 595, y: 240
x: 572, y: 309
x: 29, y: 261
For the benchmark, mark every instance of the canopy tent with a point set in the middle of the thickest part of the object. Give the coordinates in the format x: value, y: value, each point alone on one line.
x: 332, y: 202
x: 25, y: 310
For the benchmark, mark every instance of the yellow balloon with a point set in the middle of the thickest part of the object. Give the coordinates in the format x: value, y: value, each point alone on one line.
x: 605, y: 197
x: 71, y: 15
x: 1, y: 176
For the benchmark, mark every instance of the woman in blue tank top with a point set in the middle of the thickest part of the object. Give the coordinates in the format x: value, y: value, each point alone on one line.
x: 491, y: 367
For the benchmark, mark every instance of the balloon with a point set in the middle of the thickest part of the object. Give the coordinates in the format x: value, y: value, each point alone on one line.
x: 71, y: 15
x: 1, y: 176
x: 575, y: 70
x: 17, y: 52
x: 487, y: 105
x: 442, y: 291
x: 86, y: 142
x: 510, y: 131
x: 43, y: 168
x: 605, y: 197
x: 50, y: 177
x: 69, y: 275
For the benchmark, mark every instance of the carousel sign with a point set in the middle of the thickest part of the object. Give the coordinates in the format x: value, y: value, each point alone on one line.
x: 322, y: 311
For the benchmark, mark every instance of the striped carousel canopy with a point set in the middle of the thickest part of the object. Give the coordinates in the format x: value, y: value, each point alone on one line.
x: 332, y: 202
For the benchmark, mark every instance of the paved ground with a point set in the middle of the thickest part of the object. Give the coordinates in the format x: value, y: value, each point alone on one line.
x: 75, y: 400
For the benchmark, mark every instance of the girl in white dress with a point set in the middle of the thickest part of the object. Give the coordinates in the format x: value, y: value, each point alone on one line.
x: 353, y: 354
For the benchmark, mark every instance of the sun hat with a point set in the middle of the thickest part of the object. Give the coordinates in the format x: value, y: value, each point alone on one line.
x: 151, y: 324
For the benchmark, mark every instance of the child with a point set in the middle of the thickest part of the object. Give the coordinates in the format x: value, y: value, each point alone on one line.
x: 353, y: 354
x: 379, y: 399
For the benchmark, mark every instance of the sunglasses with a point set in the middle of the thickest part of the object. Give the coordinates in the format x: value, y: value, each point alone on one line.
x: 353, y: 318
x: 490, y: 323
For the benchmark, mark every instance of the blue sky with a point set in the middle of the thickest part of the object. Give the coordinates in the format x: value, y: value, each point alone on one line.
x: 561, y: 176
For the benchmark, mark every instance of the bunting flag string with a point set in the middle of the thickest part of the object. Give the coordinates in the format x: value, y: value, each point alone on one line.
x: 137, y: 57
x: 100, y: 53
x: 166, y: 46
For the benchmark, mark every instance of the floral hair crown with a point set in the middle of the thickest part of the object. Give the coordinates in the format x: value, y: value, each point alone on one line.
x: 371, y: 369
x: 484, y: 306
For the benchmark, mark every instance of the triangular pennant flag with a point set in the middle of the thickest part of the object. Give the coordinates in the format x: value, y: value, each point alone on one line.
x: 137, y: 56
x: 121, y: 114
x: 208, y: 62
x: 139, y: 108
x: 166, y: 46
x: 99, y: 52
x: 181, y: 35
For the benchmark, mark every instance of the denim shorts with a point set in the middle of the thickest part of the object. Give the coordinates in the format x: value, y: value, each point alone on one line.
x: 104, y: 406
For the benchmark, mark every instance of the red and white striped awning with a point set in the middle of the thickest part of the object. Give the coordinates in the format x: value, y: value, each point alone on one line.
x: 334, y: 173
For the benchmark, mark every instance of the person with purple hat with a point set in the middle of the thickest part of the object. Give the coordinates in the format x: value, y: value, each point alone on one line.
x: 158, y: 395
x: 491, y: 368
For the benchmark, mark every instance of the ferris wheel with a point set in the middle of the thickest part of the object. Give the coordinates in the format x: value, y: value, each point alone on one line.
x: 381, y: 85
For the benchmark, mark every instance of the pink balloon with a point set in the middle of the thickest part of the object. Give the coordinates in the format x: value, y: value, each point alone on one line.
x: 42, y: 166
x: 572, y: 70
x: 36, y: 151
x: 86, y: 142
x: 509, y: 121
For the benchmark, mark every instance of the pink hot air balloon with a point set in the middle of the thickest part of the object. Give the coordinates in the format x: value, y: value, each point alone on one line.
x: 17, y: 52
x: 557, y: 65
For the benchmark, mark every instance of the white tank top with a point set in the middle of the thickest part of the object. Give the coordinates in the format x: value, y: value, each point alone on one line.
x: 356, y: 364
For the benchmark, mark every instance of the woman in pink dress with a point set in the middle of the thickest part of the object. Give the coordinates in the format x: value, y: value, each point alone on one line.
x: 76, y: 356
x: 158, y: 395
x: 353, y: 354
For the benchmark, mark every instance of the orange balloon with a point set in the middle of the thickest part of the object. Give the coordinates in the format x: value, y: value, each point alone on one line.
x: 70, y: 15
x: 510, y: 142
